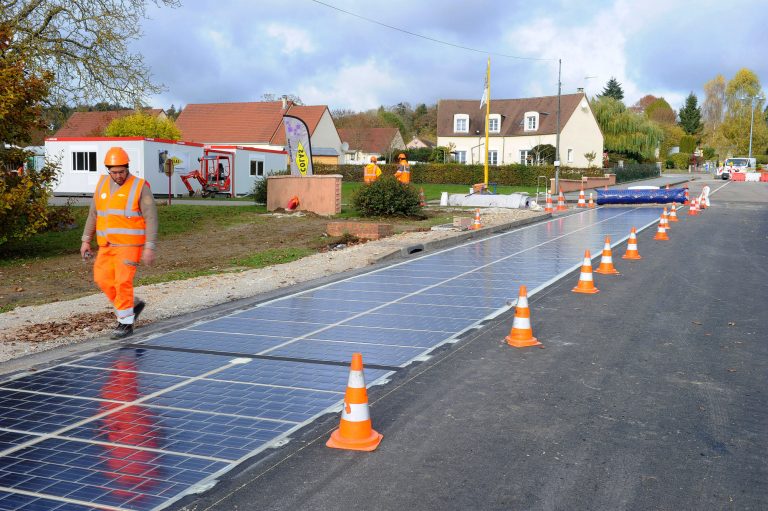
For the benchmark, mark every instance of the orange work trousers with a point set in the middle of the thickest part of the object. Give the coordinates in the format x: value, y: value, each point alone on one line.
x: 113, y: 272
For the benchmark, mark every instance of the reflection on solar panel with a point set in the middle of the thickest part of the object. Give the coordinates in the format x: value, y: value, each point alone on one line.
x: 137, y: 428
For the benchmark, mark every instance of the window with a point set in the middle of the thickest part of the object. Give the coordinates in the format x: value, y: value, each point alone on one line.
x: 493, y: 157
x: 531, y: 121
x: 84, y: 161
x: 494, y: 123
x: 460, y: 157
x: 257, y: 168
x: 461, y: 123
x: 524, y: 157
x: 570, y: 156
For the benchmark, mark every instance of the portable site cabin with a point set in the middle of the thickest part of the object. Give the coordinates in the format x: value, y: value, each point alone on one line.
x: 250, y: 164
x: 82, y: 162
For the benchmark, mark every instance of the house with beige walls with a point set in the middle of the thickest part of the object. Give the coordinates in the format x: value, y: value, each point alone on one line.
x: 516, y: 127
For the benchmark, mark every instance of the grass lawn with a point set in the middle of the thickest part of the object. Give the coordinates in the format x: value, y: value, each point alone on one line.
x: 433, y: 191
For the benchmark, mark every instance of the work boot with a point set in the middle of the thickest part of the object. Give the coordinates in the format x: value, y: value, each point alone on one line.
x: 138, y: 306
x: 122, y: 331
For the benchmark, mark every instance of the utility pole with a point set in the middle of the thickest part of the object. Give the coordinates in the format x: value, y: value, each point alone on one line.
x: 557, y: 135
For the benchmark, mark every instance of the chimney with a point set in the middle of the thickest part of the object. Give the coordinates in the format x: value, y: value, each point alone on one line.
x: 285, y: 102
x: 580, y: 89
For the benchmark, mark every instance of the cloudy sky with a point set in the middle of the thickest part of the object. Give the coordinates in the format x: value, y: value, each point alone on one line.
x: 238, y: 50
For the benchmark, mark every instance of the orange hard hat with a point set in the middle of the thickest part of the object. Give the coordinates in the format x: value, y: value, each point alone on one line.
x: 401, y: 156
x: 374, y: 159
x: 116, y: 156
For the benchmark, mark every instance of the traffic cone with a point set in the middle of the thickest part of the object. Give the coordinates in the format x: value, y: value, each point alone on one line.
x: 661, y: 231
x: 701, y: 203
x: 672, y: 217
x: 581, y: 203
x: 586, y: 283
x: 548, y: 207
x: 355, y: 432
x: 521, y: 334
x: 591, y: 203
x: 476, y: 222
x: 606, y: 261
x: 561, y: 201
x: 422, y: 199
x: 687, y: 200
x: 665, y: 219
x: 632, y: 252
x: 693, y: 210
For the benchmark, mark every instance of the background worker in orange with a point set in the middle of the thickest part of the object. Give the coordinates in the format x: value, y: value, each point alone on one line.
x: 403, y: 173
x: 372, y: 171
x: 123, y: 216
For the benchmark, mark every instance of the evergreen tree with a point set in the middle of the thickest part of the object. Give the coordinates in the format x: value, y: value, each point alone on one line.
x: 690, y: 115
x: 613, y: 90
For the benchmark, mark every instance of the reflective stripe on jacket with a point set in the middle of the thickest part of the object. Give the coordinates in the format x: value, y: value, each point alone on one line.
x: 403, y: 173
x: 118, y: 216
x: 371, y: 173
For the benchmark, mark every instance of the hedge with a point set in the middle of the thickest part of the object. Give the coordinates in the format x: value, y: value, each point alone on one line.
x: 506, y: 175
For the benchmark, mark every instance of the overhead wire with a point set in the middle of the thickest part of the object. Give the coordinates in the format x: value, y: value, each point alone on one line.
x: 414, y: 34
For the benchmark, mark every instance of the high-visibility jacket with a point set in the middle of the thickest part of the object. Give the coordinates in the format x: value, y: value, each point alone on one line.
x: 119, y: 221
x: 371, y: 173
x: 403, y: 173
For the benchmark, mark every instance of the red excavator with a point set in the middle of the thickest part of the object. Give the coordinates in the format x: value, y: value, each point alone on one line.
x: 214, y: 175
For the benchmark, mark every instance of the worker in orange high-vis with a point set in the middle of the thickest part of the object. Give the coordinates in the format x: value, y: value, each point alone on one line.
x: 371, y: 172
x: 123, y: 216
x: 403, y: 173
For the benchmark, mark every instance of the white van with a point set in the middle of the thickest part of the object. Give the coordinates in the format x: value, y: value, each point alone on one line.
x: 731, y: 165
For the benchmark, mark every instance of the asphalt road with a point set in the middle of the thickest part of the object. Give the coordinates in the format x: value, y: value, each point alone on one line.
x: 650, y: 395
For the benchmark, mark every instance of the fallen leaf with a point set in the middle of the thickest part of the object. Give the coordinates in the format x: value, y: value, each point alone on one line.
x: 731, y: 370
x: 696, y: 322
x: 19, y: 289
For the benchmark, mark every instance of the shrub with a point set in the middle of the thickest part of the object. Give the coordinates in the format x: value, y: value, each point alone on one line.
x: 761, y: 159
x: 386, y: 197
x: 709, y: 153
x: 23, y: 198
x: 635, y: 171
x: 681, y: 160
x: 259, y: 190
x: 687, y: 144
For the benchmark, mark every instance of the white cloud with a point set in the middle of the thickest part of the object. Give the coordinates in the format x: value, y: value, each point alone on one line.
x: 292, y: 39
x: 359, y: 86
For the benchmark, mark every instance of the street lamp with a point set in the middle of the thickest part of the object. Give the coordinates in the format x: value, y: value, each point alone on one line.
x: 752, y: 99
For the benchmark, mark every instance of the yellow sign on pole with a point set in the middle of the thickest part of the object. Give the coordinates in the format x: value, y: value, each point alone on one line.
x: 302, y: 161
x: 169, y: 165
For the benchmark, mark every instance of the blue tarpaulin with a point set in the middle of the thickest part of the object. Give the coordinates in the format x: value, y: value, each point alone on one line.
x: 660, y: 196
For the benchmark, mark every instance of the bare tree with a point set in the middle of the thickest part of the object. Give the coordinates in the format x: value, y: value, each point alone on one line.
x: 84, y: 44
x: 713, y: 109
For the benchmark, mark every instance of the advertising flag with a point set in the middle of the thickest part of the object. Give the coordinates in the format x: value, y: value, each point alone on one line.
x: 298, y: 146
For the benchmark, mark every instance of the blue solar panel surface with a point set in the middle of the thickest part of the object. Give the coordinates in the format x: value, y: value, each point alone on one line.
x: 139, y: 427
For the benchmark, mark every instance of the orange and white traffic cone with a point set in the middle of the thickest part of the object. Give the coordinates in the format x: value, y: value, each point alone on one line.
x: 561, y: 201
x: 665, y: 219
x: 672, y: 217
x: 632, y: 252
x: 591, y: 203
x: 701, y: 203
x: 582, y: 203
x: 422, y: 199
x: 661, y: 230
x: 606, y: 261
x: 693, y: 209
x: 476, y: 222
x: 355, y: 431
x: 687, y: 199
x: 548, y: 207
x: 521, y: 334
x: 586, y: 282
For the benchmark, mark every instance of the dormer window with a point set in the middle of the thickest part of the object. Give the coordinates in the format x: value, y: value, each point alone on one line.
x: 531, y: 121
x: 494, y: 123
x: 461, y: 123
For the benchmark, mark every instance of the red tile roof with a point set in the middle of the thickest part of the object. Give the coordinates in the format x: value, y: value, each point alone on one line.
x: 245, y: 123
x: 93, y: 124
x: 368, y: 140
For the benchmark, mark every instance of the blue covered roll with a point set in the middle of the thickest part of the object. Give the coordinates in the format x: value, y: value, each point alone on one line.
x: 660, y: 196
